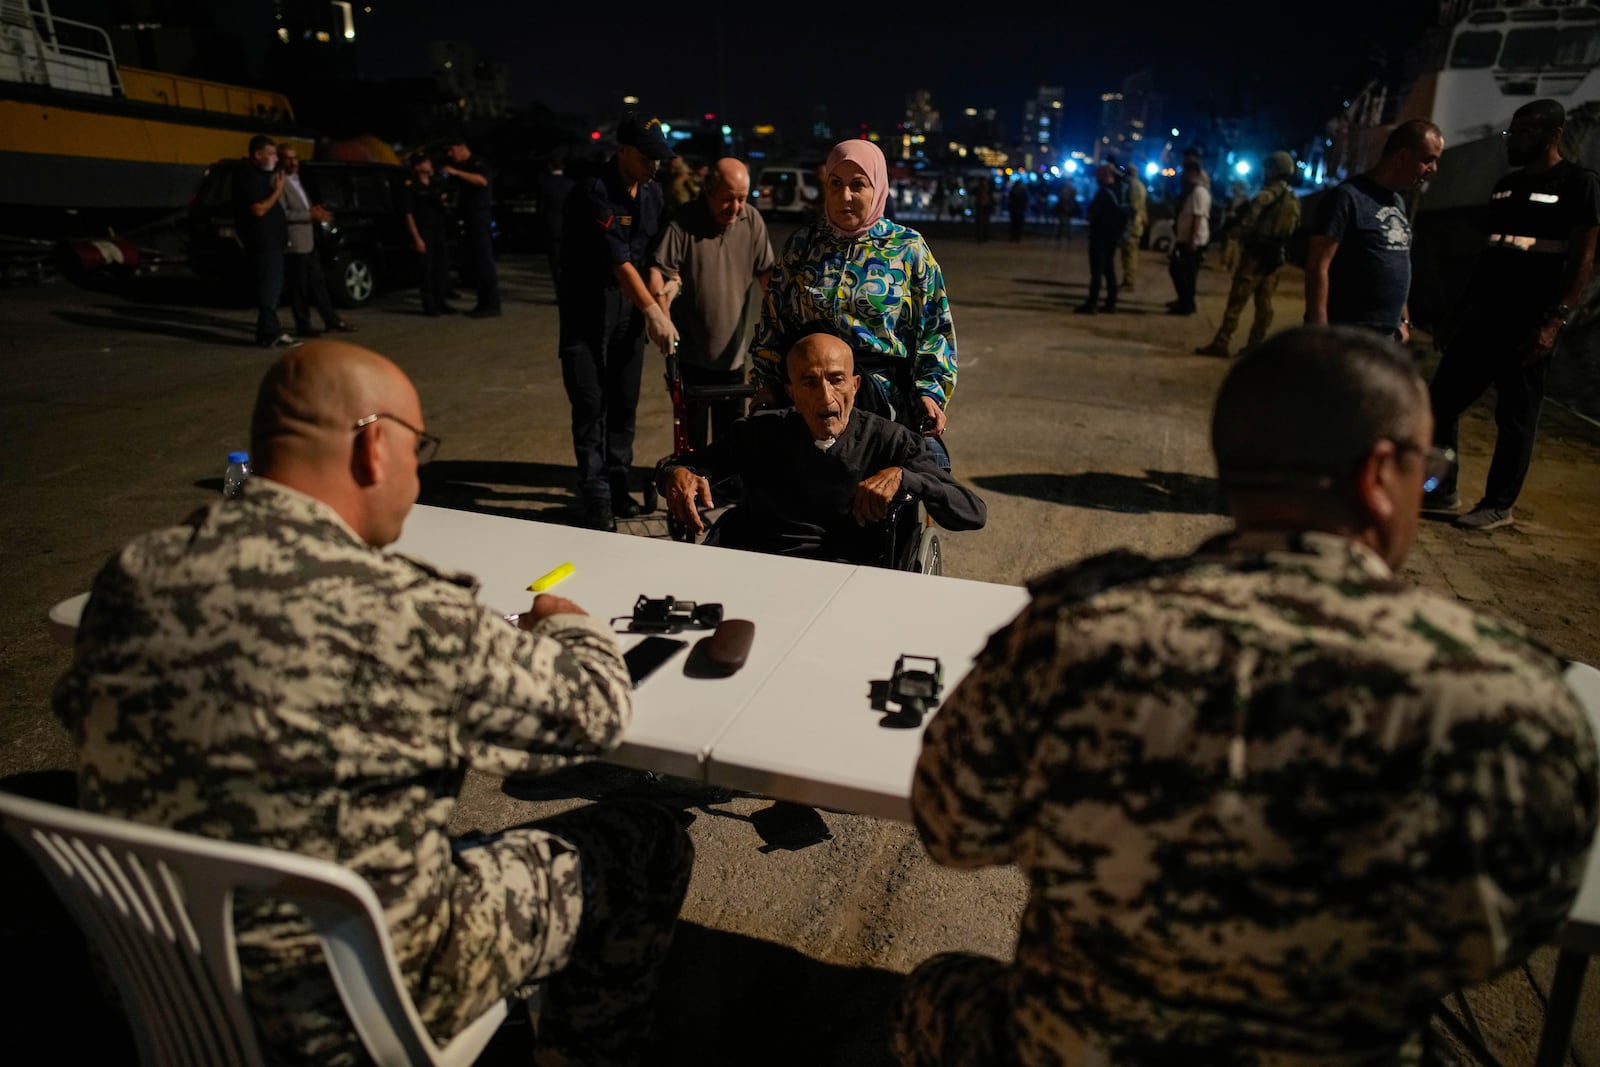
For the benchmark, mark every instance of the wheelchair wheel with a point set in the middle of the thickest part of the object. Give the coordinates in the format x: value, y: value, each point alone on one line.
x: 678, y: 531
x: 930, y: 557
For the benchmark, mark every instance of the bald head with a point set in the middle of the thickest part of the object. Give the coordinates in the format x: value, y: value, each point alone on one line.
x: 822, y: 382
x: 726, y: 191
x: 342, y: 424
x: 311, y: 398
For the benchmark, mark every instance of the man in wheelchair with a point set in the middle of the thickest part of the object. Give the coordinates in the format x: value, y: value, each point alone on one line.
x: 820, y: 477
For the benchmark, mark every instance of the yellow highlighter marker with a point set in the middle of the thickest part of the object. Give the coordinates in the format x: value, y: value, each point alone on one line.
x: 550, y: 581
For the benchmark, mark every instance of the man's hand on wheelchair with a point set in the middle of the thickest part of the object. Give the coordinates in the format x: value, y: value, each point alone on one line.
x: 686, y: 494
x: 874, y: 495
x: 932, y: 410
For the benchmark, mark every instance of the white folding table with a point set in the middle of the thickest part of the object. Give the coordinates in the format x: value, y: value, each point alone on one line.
x: 676, y: 718
x: 810, y: 734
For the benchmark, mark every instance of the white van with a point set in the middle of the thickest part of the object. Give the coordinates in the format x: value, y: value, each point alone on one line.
x: 786, y: 191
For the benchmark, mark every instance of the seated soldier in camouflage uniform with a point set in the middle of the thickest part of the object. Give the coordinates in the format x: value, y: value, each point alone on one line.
x: 264, y: 673
x: 1272, y: 800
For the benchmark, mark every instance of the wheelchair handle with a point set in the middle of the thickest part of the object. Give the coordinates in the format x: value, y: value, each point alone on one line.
x: 718, y: 392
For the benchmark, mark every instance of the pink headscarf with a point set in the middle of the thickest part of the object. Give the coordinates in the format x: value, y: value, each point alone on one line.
x: 869, y: 157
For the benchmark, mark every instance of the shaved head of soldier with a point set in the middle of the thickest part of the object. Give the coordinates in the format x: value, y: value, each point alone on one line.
x: 1326, y: 428
x: 727, y: 191
x: 344, y: 425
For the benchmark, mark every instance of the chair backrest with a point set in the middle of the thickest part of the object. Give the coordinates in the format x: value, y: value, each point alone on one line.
x: 158, y: 905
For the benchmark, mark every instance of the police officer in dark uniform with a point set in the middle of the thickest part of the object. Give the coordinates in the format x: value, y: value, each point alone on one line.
x: 1542, y: 221
x: 610, y: 223
x: 429, y: 221
x: 472, y: 181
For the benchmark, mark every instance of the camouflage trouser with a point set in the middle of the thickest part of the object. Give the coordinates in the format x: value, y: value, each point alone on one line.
x: 580, y: 907
x: 1249, y: 279
x: 953, y: 1012
x: 1130, y: 253
x: 597, y: 1009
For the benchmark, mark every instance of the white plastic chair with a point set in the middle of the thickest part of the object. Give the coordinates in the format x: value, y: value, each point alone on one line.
x: 158, y: 905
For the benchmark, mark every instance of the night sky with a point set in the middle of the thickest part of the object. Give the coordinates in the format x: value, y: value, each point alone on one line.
x: 779, y: 58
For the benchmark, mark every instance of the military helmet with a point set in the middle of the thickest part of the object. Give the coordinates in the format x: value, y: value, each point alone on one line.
x: 1279, y: 164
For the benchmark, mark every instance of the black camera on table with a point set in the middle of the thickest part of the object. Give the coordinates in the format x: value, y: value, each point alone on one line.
x: 669, y: 615
x: 914, y: 688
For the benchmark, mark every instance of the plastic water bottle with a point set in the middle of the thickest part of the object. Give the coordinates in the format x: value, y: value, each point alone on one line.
x: 238, y: 470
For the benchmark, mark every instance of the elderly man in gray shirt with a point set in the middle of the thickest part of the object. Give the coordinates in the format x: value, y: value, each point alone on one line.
x: 701, y: 273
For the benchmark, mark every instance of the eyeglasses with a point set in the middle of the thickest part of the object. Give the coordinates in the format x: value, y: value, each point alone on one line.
x: 427, y: 443
x: 1438, y: 463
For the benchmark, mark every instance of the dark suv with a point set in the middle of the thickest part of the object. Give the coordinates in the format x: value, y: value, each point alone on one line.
x: 367, y: 246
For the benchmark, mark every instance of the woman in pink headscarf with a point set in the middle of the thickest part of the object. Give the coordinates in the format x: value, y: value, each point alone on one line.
x: 879, y: 287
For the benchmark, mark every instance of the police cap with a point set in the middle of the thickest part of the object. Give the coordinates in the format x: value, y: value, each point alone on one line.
x: 645, y: 135
x: 1280, y: 164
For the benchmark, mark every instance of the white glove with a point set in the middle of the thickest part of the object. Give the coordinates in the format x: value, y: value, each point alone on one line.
x: 670, y: 289
x: 658, y: 325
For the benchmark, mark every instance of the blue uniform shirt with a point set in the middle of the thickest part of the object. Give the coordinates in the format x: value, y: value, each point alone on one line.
x: 604, y: 227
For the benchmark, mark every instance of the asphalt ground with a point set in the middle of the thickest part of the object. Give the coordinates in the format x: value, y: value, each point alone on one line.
x: 1084, y: 434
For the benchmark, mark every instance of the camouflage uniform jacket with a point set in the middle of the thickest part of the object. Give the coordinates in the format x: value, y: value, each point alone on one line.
x: 1272, y: 803
x: 260, y: 674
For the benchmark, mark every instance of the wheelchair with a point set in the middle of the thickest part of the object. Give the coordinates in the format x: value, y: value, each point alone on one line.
x: 909, y: 541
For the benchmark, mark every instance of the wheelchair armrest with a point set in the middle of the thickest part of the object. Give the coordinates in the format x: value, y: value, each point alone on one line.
x: 718, y: 392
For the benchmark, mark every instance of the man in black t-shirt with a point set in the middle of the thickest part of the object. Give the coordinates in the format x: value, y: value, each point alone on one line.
x: 264, y: 229
x: 1358, y: 266
x: 1542, y: 222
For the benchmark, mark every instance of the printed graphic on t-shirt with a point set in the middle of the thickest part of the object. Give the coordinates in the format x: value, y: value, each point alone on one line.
x: 1396, y: 231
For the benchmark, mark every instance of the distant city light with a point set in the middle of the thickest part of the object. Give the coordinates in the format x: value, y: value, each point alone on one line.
x: 1174, y: 131
x: 665, y: 128
x: 630, y: 99
x: 727, y: 131
x: 1070, y: 166
x: 1242, y: 168
x: 594, y: 135
x: 1055, y: 172
x: 1151, y: 170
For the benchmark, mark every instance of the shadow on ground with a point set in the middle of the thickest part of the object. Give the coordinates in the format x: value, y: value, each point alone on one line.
x: 727, y: 998
x: 183, y: 325
x: 1158, y: 491
x: 507, y: 487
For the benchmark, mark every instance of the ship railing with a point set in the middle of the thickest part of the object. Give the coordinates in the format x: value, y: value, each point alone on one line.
x: 57, y: 52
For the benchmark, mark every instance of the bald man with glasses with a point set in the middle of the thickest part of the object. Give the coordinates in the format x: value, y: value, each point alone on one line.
x: 264, y: 673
